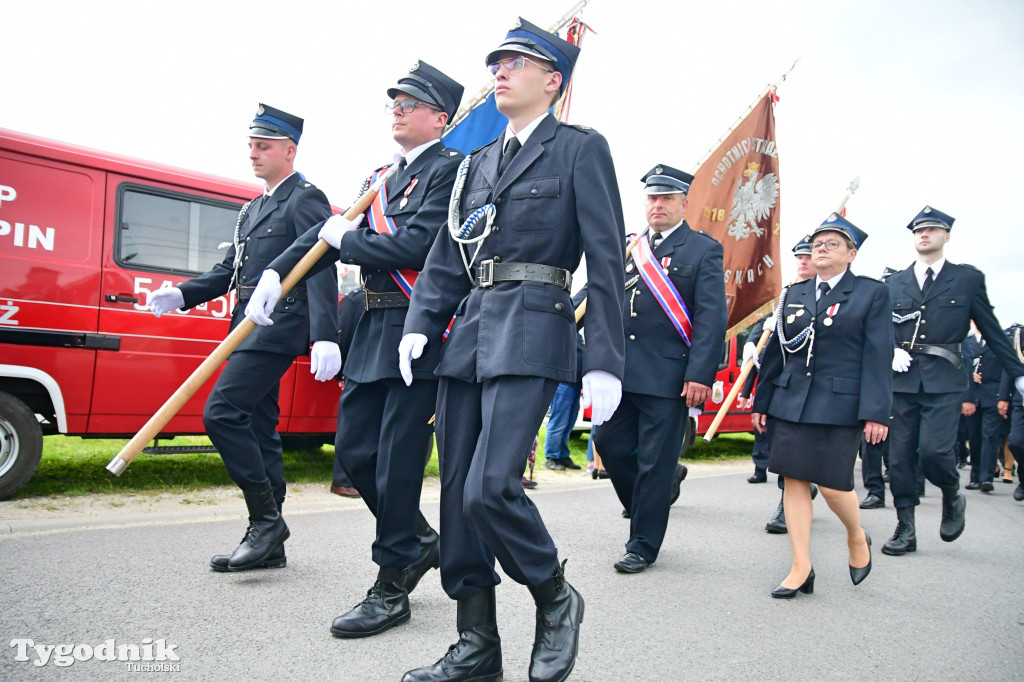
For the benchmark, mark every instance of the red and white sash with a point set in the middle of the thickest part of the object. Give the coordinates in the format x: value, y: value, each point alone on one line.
x: 384, y: 224
x: 661, y: 286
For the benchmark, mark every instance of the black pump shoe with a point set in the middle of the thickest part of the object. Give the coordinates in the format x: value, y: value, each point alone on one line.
x: 781, y: 592
x: 857, y: 575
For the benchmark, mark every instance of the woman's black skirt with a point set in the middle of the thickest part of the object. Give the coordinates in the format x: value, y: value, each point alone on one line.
x: 820, y: 453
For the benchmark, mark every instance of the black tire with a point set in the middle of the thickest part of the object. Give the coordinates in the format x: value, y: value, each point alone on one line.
x: 304, y: 443
x: 21, y: 444
x: 688, y: 438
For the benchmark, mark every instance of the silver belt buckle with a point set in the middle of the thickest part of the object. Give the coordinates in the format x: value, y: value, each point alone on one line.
x: 485, y: 273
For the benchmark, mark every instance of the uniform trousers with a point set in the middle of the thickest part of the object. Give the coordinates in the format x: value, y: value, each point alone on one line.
x: 993, y: 430
x: 241, y: 418
x: 1016, y: 439
x: 382, y: 440
x: 484, y: 434
x: 923, y: 429
x: 640, y: 447
x: 872, y: 457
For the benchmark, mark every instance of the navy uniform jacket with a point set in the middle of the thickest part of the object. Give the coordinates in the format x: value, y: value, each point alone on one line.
x: 557, y: 199
x: 986, y: 393
x: 270, y: 226
x: 1007, y: 390
x: 658, y: 362
x: 956, y: 297
x: 849, y: 378
x: 374, y: 352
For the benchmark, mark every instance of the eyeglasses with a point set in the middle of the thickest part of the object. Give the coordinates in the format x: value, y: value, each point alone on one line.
x: 514, y: 65
x: 830, y: 245
x: 407, y: 106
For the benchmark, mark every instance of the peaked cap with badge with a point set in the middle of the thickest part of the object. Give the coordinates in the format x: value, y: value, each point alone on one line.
x: 532, y: 40
x: 426, y: 83
x: 275, y: 124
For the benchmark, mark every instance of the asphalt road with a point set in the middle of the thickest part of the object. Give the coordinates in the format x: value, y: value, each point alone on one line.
x: 702, y: 612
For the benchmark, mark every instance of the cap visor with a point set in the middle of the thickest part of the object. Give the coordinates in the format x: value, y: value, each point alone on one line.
x: 516, y: 47
x: 415, y: 92
x: 267, y: 133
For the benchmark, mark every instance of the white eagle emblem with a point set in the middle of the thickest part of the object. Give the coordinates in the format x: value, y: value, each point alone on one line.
x: 752, y: 202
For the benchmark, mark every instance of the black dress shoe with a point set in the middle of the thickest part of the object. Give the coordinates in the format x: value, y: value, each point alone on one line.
x: 987, y: 487
x: 760, y: 476
x: 276, y: 559
x: 386, y: 605
x: 1018, y: 493
x: 952, y: 525
x: 781, y: 592
x: 680, y: 476
x: 554, y: 465
x: 569, y: 464
x: 528, y: 484
x: 872, y: 501
x: 973, y: 485
x: 631, y: 562
x: 904, y: 539
x: 477, y: 654
x: 857, y: 575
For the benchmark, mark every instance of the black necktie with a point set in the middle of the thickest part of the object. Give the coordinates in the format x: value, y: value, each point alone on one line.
x: 655, y: 240
x: 511, y: 150
x: 929, y: 280
x: 402, y: 164
x: 824, y: 288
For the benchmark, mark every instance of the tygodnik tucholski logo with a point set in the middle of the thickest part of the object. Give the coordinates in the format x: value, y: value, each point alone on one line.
x: 149, y: 655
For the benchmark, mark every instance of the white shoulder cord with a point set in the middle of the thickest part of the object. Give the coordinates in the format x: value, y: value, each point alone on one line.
x: 460, y: 231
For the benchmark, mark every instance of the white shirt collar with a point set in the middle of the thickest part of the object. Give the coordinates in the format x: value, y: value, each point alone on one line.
x: 666, y: 233
x: 523, y: 134
x: 413, y: 153
x: 919, y: 270
x: 269, y: 191
x: 831, y: 282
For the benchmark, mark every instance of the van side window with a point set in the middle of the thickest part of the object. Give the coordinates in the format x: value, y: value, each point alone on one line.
x: 162, y: 230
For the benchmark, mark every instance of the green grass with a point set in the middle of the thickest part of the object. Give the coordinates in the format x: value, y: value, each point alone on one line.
x: 73, y: 466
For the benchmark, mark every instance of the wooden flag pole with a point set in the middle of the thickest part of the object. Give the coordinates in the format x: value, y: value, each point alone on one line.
x: 206, y: 369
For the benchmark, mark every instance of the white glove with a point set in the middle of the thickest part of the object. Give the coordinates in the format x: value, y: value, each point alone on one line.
x: 1019, y: 383
x: 769, y: 324
x: 336, y: 227
x: 601, y: 392
x: 900, y: 360
x: 410, y: 348
x: 165, y: 300
x: 324, y: 360
x: 264, y: 298
x: 749, y: 351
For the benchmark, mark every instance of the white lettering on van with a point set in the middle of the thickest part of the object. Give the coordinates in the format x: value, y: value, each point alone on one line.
x: 36, y: 236
x: 7, y: 312
x: 7, y: 194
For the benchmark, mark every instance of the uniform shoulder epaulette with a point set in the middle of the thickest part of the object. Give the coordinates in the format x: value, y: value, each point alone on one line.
x: 482, y: 147
x: 870, y: 278
x: 577, y: 126
x: 971, y: 267
x: 447, y: 152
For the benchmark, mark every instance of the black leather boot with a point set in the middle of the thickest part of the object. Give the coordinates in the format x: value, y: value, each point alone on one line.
x: 556, y: 638
x: 277, y: 558
x: 777, y: 524
x: 386, y: 605
x: 476, y: 657
x: 905, y: 538
x: 266, y: 533
x: 953, y: 506
x: 430, y: 554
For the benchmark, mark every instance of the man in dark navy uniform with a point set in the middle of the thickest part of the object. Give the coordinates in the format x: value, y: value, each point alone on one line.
x: 665, y: 371
x: 384, y: 427
x: 241, y: 413
x: 933, y: 302
x: 546, y: 194
x: 1011, y: 406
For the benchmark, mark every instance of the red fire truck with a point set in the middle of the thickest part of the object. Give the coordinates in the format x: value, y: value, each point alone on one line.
x: 84, y: 235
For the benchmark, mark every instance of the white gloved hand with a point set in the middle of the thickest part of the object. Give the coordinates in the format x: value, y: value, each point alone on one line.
x: 602, y: 392
x: 1019, y: 384
x: 336, y: 227
x: 749, y: 351
x: 324, y: 360
x: 769, y: 324
x: 900, y: 360
x: 165, y: 300
x: 409, y: 349
x: 264, y: 298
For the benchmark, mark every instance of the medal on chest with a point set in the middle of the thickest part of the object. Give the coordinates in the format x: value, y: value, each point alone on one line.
x: 830, y: 311
x: 408, y: 190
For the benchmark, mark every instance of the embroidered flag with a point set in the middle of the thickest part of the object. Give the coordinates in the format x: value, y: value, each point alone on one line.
x: 663, y: 289
x: 384, y: 224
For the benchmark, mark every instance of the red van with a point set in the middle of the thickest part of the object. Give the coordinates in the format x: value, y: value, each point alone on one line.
x: 84, y: 235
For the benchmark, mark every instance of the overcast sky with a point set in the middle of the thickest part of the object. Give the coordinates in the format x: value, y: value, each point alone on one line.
x: 923, y: 100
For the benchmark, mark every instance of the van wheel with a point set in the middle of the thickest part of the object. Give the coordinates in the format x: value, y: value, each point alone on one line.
x: 689, y: 437
x: 304, y: 443
x: 21, y: 444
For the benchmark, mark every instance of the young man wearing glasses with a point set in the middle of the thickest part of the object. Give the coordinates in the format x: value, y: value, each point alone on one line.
x: 933, y: 303
x: 533, y: 201
x: 384, y: 427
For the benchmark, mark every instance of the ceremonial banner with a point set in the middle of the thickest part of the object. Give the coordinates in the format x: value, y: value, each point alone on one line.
x: 734, y: 197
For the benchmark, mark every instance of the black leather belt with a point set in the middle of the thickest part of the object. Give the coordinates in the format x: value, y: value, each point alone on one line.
x: 388, y: 299
x: 296, y: 294
x: 950, y: 352
x: 489, y: 272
